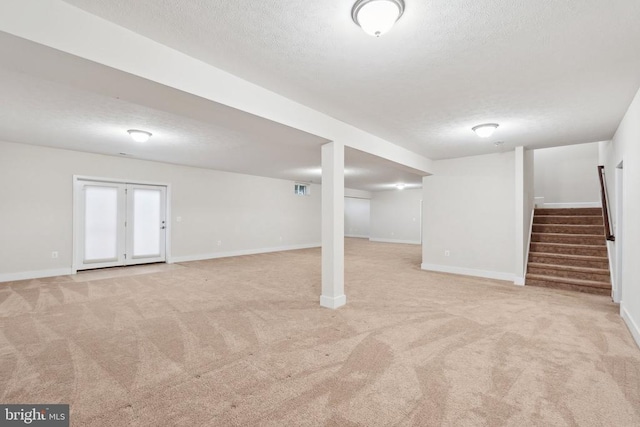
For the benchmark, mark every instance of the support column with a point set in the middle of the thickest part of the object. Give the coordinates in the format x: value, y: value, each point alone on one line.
x: 519, y: 210
x: 333, y: 225
x: 525, y: 203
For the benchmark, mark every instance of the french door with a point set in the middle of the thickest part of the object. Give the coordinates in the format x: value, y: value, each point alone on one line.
x: 119, y: 224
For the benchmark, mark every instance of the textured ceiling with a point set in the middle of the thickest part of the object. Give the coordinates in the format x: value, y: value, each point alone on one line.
x: 54, y: 99
x: 551, y: 72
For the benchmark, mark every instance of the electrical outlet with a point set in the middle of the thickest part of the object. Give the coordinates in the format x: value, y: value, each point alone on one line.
x: 447, y: 252
x: 178, y: 219
x: 54, y: 254
x: 219, y: 242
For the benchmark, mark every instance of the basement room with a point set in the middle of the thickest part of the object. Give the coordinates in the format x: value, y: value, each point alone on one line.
x: 329, y: 213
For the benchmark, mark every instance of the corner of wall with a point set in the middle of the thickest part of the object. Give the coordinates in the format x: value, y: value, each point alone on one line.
x: 633, y: 326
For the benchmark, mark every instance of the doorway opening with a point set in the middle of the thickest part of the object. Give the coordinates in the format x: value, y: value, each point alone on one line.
x: 118, y: 223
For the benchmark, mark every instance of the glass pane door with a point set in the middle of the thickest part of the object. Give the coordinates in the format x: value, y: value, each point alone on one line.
x: 118, y: 224
x: 102, y: 216
x: 146, y: 212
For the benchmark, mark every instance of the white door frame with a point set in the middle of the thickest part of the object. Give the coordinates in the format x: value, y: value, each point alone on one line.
x: 77, y: 213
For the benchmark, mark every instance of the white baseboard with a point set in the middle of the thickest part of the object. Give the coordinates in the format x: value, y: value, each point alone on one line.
x: 631, y: 324
x: 407, y: 242
x: 498, y: 275
x: 333, y: 302
x: 38, y: 274
x: 357, y: 236
x: 215, y: 255
x: 518, y: 281
x: 571, y: 205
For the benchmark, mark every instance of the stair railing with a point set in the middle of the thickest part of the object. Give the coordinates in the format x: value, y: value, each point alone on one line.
x: 605, y: 205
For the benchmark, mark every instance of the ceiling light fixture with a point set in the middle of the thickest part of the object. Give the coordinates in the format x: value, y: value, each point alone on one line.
x: 485, y: 130
x: 139, y: 135
x: 376, y: 17
x: 400, y: 186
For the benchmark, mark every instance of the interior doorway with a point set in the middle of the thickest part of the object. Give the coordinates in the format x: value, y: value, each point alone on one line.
x: 118, y: 223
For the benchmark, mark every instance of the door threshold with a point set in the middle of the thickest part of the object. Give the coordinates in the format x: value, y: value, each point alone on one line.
x: 123, y: 271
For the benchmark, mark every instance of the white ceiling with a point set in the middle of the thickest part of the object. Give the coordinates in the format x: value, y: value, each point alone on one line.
x: 54, y: 99
x: 551, y: 72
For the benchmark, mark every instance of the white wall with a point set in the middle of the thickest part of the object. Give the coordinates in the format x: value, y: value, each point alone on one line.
x: 357, y: 213
x: 529, y: 200
x: 568, y: 175
x: 358, y: 194
x: 246, y: 213
x: 625, y: 147
x: 395, y: 216
x: 469, y: 211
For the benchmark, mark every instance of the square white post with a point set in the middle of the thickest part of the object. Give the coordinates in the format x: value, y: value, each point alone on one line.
x: 521, y: 238
x: 333, y: 226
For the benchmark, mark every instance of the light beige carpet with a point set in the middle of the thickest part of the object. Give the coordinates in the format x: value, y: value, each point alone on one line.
x: 243, y: 341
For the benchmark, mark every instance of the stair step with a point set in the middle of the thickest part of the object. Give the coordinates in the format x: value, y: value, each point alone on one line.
x: 568, y: 211
x: 561, y: 248
x: 568, y: 219
x: 568, y: 251
x: 571, y: 272
x: 569, y: 260
x: 569, y: 229
x: 587, y: 286
x: 572, y: 239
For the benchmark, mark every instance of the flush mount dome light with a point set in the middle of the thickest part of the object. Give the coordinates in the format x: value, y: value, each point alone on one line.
x: 139, y: 135
x: 485, y: 130
x: 376, y: 17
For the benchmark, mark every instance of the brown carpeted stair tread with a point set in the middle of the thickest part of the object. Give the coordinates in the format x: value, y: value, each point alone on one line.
x: 570, y: 256
x: 569, y: 211
x: 569, y: 259
x: 560, y: 248
x: 569, y: 229
x: 570, y: 272
x: 567, y: 280
x: 571, y: 245
x: 567, y: 286
x: 572, y: 239
x: 565, y: 234
x: 568, y: 219
x: 570, y: 267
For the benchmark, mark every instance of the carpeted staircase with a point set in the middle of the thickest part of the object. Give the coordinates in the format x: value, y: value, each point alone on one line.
x: 568, y: 251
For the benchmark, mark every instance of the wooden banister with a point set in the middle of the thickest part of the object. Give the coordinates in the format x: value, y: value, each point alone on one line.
x: 605, y: 205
